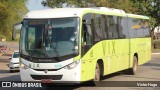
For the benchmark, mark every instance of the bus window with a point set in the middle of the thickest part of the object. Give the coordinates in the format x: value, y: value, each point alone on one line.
x: 86, y: 36
x: 122, y: 27
x: 112, y: 28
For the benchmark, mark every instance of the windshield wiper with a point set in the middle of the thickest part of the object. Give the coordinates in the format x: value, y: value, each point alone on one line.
x: 74, y: 43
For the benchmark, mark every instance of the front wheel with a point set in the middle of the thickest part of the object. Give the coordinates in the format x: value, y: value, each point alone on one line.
x: 97, y: 76
x: 11, y: 71
x: 97, y: 73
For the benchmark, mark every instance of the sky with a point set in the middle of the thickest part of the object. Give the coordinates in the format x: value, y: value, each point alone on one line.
x: 35, y: 5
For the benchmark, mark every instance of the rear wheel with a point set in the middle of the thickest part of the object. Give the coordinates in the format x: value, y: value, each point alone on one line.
x: 11, y: 71
x: 133, y: 70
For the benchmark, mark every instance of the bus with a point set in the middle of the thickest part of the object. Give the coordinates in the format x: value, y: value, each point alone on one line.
x: 82, y: 44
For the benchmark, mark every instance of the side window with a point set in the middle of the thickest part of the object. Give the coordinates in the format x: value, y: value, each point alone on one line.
x: 134, y: 28
x: 99, y: 27
x: 138, y: 28
x: 130, y: 27
x: 145, y: 27
x: 103, y: 27
x: 96, y: 27
x: 87, y: 30
x: 87, y: 33
x: 122, y: 27
x: 112, y: 27
x: 87, y: 37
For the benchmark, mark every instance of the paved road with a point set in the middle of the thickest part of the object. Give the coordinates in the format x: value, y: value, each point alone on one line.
x: 147, y: 72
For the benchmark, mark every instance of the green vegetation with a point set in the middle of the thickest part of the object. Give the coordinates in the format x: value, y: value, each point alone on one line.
x: 149, y: 8
x: 11, y: 12
x: 156, y: 44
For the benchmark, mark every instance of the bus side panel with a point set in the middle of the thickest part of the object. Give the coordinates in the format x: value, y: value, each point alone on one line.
x: 113, y: 53
x: 89, y: 62
x: 141, y: 47
x: 117, y: 55
x: 87, y: 70
x: 148, y: 49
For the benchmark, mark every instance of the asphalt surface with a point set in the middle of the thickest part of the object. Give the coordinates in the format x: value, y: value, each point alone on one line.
x: 148, y: 72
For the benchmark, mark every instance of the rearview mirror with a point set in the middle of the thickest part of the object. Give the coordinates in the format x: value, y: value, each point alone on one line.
x: 15, y: 26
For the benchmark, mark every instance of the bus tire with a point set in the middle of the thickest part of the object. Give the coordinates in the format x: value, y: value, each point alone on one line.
x: 132, y: 71
x: 97, y: 76
x: 11, y: 71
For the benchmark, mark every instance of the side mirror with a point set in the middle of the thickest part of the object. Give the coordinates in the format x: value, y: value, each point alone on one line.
x: 15, y: 29
x: 13, y: 33
x: 21, y: 22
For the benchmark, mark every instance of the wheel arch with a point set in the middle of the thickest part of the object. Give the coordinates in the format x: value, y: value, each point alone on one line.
x: 136, y: 54
x: 101, y: 64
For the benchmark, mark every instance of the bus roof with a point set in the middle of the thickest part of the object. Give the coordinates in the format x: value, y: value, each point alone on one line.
x: 77, y: 12
x: 72, y: 12
x: 137, y: 16
x: 55, y: 13
x: 111, y: 11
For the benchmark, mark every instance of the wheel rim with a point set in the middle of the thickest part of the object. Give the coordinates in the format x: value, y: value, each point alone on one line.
x: 97, y: 73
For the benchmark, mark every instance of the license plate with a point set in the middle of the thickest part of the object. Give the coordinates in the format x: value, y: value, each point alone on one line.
x: 46, y: 81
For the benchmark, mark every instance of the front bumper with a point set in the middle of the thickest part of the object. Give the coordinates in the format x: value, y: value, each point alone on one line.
x: 63, y: 74
x: 14, y: 66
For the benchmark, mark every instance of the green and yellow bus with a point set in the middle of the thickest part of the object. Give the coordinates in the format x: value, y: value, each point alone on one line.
x: 82, y: 44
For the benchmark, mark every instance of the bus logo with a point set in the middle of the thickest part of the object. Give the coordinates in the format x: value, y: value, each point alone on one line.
x: 45, y: 71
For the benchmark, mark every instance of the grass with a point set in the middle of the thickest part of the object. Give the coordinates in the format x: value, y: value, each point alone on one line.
x: 155, y: 50
x: 156, y: 44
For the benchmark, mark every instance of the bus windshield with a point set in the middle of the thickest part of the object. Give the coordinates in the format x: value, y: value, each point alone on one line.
x: 49, y: 38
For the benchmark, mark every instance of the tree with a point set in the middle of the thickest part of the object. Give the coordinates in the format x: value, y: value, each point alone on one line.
x: 126, y: 5
x: 11, y: 12
x: 53, y: 3
x: 150, y: 8
x: 154, y: 13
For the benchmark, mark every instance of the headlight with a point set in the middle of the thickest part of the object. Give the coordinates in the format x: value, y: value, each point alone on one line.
x: 24, y: 66
x: 72, y: 65
x: 11, y: 63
